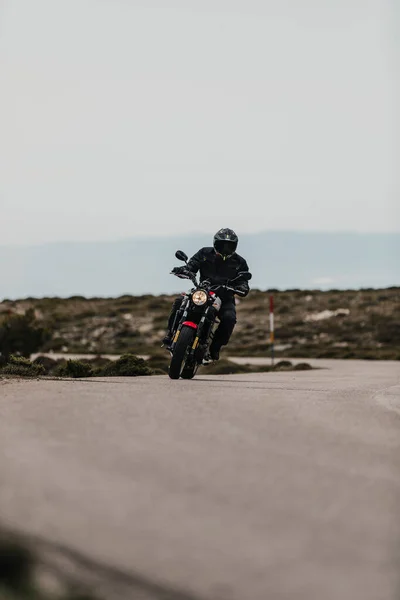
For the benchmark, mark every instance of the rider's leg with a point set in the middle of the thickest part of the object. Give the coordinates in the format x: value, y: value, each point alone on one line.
x: 227, y: 316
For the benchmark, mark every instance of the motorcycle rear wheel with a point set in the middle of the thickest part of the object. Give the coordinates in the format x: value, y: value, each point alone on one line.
x: 181, y: 350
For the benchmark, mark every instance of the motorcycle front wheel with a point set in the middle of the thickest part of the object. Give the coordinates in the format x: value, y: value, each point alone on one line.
x: 181, y: 351
x: 189, y: 372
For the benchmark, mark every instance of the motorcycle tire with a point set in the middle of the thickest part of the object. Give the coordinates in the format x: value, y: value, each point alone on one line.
x: 183, y: 344
x: 189, y: 372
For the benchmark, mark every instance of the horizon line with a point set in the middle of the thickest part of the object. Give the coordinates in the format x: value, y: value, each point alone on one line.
x: 163, y: 237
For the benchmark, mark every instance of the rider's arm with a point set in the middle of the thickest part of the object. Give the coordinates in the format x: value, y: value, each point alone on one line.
x: 242, y: 284
x: 195, y: 262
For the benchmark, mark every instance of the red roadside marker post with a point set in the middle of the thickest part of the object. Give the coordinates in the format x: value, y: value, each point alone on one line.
x: 271, y: 328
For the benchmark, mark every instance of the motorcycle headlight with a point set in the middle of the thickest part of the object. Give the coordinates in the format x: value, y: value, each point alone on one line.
x: 199, y: 297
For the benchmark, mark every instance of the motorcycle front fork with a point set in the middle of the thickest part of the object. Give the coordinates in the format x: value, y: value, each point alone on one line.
x: 203, y: 338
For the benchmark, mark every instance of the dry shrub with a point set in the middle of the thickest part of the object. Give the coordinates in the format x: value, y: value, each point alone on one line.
x: 22, y: 367
x: 128, y: 365
x: 75, y: 369
x: 227, y: 367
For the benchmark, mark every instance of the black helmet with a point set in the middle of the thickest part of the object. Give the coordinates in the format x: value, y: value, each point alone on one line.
x: 225, y: 242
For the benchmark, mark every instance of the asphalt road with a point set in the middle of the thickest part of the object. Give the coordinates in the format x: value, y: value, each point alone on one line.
x: 250, y: 487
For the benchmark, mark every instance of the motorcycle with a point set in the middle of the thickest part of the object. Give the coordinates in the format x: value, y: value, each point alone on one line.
x: 194, y: 323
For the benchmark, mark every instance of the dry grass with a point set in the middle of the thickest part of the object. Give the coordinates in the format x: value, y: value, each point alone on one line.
x: 360, y: 324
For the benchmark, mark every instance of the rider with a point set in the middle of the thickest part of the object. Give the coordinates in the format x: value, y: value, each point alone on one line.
x: 217, y: 264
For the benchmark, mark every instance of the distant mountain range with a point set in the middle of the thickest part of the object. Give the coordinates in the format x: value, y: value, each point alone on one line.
x: 281, y: 260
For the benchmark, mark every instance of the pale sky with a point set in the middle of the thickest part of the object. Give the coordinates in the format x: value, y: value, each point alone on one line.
x: 133, y: 117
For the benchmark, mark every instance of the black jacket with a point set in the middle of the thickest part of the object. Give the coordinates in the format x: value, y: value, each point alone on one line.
x: 219, y: 271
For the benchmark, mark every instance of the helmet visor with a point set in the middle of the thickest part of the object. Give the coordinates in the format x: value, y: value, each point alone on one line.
x: 225, y: 247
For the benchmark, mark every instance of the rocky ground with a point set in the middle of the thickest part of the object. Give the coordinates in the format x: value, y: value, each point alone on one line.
x: 331, y: 324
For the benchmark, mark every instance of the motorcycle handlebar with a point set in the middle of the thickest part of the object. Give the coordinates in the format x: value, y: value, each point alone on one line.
x: 230, y: 289
x: 238, y: 292
x: 185, y: 276
x: 214, y: 287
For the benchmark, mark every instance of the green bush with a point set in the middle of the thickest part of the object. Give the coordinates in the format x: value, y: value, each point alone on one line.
x: 22, y: 367
x: 282, y: 365
x: 226, y: 367
x: 128, y: 365
x: 99, y: 362
x: 48, y: 364
x: 75, y: 369
x: 21, y: 334
x: 261, y: 368
x: 302, y: 367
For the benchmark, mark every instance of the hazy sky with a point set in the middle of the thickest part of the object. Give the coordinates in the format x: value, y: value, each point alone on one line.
x: 127, y: 117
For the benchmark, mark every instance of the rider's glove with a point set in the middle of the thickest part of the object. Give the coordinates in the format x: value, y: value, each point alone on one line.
x: 182, y: 272
x: 179, y: 270
x: 242, y: 289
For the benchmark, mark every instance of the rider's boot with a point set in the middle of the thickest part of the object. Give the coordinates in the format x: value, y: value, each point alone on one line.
x: 214, y: 351
x: 167, y: 339
x: 212, y: 354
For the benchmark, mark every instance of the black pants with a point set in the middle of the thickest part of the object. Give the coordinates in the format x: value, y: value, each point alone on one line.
x: 226, y: 315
